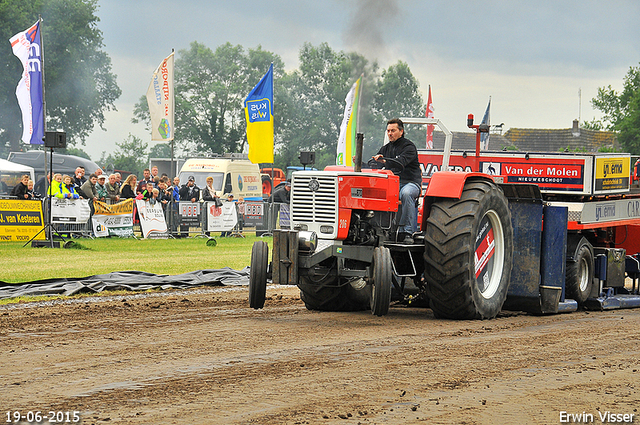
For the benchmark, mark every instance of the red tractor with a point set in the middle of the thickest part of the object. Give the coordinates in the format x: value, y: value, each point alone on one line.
x: 481, y: 245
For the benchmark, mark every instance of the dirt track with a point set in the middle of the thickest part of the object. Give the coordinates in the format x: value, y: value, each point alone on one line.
x: 206, y: 358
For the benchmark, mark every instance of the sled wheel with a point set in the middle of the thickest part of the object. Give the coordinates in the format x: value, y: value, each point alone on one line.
x: 258, y: 274
x: 468, y: 253
x: 579, y: 273
x: 326, y: 295
x: 381, y: 275
x: 267, y: 185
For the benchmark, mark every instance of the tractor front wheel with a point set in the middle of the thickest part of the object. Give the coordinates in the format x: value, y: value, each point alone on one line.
x: 469, y: 252
x: 382, y: 273
x: 258, y: 274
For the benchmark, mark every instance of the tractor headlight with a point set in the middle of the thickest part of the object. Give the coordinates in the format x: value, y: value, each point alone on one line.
x: 307, y: 241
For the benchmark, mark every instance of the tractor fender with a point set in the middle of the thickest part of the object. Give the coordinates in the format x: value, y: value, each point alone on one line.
x: 449, y: 184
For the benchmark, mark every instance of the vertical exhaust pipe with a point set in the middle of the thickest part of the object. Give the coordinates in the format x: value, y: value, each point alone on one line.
x: 357, y: 166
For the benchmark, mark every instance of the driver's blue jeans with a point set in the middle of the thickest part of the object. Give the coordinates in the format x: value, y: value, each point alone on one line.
x: 409, y: 192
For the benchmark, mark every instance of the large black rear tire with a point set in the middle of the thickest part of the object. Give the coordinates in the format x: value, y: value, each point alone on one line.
x: 579, y: 273
x: 325, y: 295
x: 469, y: 253
x: 258, y: 274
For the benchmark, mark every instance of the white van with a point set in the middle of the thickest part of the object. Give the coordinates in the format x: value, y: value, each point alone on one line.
x: 239, y: 177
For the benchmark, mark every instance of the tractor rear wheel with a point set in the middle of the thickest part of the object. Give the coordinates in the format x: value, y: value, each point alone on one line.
x: 469, y: 253
x: 579, y: 273
x: 325, y: 295
x: 258, y: 274
x: 382, y: 273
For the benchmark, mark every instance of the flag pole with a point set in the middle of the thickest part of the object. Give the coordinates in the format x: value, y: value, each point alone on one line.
x: 44, y: 103
x: 173, y: 112
x: 358, y: 113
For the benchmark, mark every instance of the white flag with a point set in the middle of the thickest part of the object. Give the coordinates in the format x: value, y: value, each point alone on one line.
x: 348, y: 128
x: 160, y: 97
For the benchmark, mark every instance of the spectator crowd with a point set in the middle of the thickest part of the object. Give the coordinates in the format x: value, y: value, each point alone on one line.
x: 111, y: 189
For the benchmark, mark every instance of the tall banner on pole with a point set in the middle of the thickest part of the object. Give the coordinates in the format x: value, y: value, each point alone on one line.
x: 27, y: 46
x: 258, y: 111
x: 160, y: 97
x: 429, y: 113
x: 349, y: 126
x: 484, y: 137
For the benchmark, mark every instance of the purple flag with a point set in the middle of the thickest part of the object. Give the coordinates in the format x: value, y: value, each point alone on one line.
x: 26, y: 46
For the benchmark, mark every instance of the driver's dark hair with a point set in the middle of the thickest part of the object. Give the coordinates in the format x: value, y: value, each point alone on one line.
x: 397, y: 121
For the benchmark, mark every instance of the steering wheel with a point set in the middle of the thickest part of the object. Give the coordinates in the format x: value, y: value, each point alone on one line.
x: 395, y: 163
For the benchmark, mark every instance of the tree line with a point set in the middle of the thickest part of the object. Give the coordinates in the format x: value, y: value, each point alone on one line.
x: 210, y: 87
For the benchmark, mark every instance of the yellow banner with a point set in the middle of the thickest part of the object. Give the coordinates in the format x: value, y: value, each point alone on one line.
x: 124, y: 207
x: 20, y: 220
x: 612, y: 173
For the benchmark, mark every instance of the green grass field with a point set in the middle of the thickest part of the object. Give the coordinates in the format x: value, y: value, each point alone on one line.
x: 104, y: 255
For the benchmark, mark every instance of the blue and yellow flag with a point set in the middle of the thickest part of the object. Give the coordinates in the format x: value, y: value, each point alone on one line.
x: 258, y: 110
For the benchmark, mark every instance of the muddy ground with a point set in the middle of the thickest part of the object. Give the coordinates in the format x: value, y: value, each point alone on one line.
x: 205, y: 357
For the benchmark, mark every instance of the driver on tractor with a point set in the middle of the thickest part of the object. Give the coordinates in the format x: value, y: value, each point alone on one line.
x: 400, y: 155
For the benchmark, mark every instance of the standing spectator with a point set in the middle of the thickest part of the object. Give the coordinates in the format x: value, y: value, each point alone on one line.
x: 241, y: 210
x: 229, y: 200
x: 113, y: 189
x: 164, y: 196
x: 142, y: 185
x: 129, y: 187
x: 20, y: 190
x: 67, y: 189
x: 79, y: 179
x: 147, y: 193
x: 56, y: 186
x: 189, y: 192
x: 174, y: 205
x: 118, y: 180
x: 89, y: 188
x: 209, y: 193
x: 155, y: 192
x: 154, y: 172
x: 98, y: 172
x: 43, y: 183
x: 32, y: 193
x: 281, y: 194
x: 101, y: 188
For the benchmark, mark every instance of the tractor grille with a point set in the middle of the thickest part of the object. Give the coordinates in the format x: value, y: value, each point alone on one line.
x: 314, y: 199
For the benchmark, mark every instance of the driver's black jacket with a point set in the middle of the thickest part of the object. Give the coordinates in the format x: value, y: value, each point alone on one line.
x: 405, y: 152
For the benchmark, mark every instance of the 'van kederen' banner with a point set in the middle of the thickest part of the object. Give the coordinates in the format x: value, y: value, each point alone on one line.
x: 20, y: 220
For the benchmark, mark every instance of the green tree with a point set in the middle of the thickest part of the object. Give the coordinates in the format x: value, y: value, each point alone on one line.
x: 131, y: 156
x: 79, y: 84
x: 161, y: 150
x: 310, y: 103
x: 621, y: 111
x: 210, y: 90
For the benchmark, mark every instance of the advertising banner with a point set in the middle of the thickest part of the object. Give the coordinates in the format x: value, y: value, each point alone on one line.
x: 152, y: 220
x: 253, y: 214
x: 221, y: 219
x: 189, y: 213
x: 70, y: 211
x: 20, y: 220
x: 113, y: 220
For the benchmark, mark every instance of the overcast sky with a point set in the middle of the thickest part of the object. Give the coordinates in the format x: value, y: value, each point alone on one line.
x: 531, y: 57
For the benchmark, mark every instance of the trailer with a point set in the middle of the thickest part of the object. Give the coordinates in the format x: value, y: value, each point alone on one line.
x: 538, y: 232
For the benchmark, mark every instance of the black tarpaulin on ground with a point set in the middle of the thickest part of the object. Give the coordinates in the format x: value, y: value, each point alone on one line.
x: 127, y: 280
